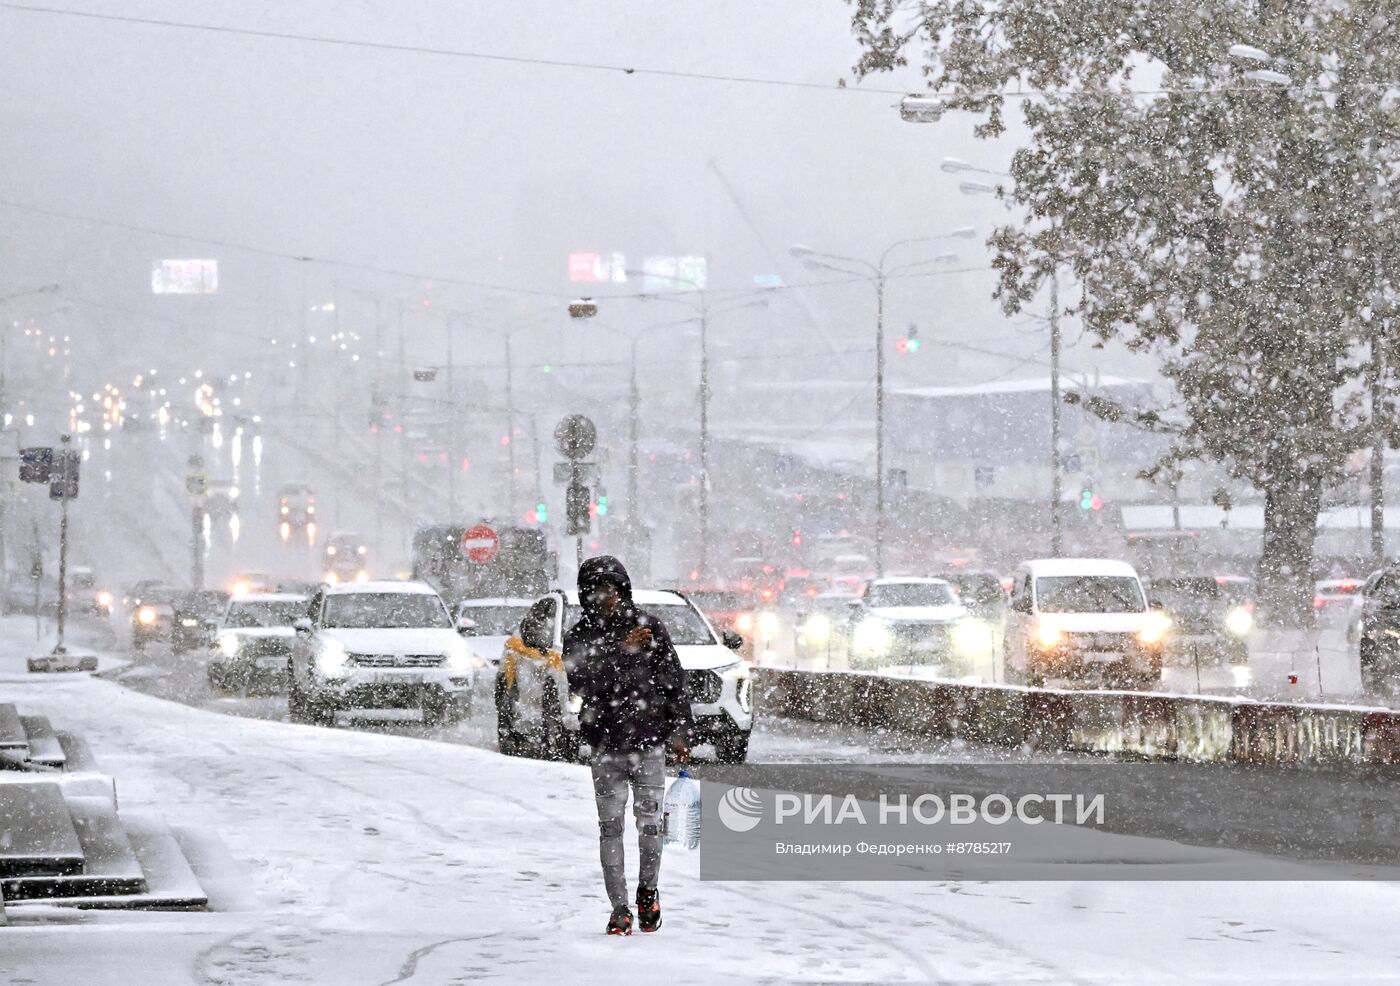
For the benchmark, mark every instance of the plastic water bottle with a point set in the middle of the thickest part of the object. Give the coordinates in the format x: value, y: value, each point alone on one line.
x: 681, y: 807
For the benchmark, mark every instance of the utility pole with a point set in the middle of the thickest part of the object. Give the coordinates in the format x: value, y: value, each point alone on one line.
x: 67, y: 483
x: 1056, y: 535
x: 880, y: 423
x: 403, y: 438
x: 1377, y: 470
x: 452, y: 442
x: 378, y: 429
x: 634, y: 437
x: 510, y: 425
x: 704, y: 437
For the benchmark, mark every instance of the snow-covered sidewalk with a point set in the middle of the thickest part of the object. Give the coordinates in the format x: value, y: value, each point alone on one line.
x: 342, y: 857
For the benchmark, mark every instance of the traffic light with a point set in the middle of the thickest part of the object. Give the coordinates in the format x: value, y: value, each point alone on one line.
x: 63, y: 483
x: 1089, y: 500
x: 577, y: 500
x: 602, y: 504
x: 542, y: 512
x: 909, y: 344
x: 35, y: 465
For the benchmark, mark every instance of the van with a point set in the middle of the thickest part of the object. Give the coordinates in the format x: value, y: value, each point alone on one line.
x: 1077, y: 618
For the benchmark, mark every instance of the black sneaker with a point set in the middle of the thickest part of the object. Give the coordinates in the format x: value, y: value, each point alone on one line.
x: 648, y: 909
x: 621, y: 921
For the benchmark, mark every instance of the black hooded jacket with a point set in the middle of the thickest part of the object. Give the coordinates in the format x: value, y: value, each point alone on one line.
x: 633, y: 699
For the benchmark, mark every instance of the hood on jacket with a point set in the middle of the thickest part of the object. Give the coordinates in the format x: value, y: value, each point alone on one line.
x: 597, y: 571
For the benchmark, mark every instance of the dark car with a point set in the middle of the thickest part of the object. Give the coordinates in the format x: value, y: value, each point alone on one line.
x: 979, y: 592
x: 1211, y: 616
x: 1380, y: 630
x: 152, y: 608
x: 196, y: 619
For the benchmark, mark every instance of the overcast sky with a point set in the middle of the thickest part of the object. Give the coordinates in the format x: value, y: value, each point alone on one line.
x: 481, y: 170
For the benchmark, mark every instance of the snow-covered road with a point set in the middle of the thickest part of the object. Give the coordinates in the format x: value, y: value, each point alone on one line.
x: 346, y: 857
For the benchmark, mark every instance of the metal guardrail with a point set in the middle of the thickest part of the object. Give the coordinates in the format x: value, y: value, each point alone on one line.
x: 1201, y: 729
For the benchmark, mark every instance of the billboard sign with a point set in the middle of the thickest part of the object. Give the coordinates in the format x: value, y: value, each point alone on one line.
x: 198, y: 276
x: 683, y: 273
x: 591, y: 267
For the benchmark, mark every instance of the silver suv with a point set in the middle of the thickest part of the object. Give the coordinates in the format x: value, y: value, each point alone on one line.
x: 379, y: 645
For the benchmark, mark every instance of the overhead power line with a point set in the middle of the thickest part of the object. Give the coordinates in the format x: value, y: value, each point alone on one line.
x: 484, y: 56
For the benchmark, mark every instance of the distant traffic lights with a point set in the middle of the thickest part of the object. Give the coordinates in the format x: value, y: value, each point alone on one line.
x: 1089, y: 500
x: 909, y: 344
x: 542, y: 512
x: 602, y: 504
x: 577, y: 501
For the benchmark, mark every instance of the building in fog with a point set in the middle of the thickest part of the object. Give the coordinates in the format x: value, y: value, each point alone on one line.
x: 992, y: 441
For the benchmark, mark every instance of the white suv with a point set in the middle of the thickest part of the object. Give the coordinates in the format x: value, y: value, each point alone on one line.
x: 379, y: 645
x: 1082, y: 617
x: 536, y: 713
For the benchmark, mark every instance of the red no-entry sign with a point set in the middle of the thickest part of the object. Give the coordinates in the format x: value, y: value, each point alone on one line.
x: 480, y: 543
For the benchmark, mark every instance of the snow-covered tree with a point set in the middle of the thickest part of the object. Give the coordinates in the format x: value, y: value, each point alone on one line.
x: 1231, y: 210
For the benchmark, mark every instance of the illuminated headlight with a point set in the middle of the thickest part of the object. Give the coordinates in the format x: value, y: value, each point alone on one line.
x: 816, y: 629
x: 872, y: 637
x: 1048, y: 635
x: 331, y: 551
x: 104, y: 599
x: 768, y: 623
x: 1239, y: 621
x: 1154, y: 627
x: 575, y: 703
x: 362, y: 576
x: 240, y: 588
x: 972, y: 636
x: 332, y: 659
x: 459, y: 658
x: 744, y: 623
x: 332, y: 578
x: 229, y: 644
x: 146, y: 616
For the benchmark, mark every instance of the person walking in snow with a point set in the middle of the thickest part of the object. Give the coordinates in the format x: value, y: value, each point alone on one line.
x: 620, y: 662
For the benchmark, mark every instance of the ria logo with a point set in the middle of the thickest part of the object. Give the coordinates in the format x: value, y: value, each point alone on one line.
x: 740, y: 809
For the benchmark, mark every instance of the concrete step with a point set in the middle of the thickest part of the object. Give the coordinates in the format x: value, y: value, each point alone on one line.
x: 12, y: 735
x: 170, y: 882
x: 44, y: 747
x: 76, y: 752
x: 37, y: 835
x: 110, y: 864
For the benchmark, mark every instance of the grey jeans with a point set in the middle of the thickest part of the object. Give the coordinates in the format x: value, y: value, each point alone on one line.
x: 613, y: 772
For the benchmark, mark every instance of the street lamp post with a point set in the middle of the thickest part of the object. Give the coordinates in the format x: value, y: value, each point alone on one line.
x: 953, y: 166
x: 876, y: 274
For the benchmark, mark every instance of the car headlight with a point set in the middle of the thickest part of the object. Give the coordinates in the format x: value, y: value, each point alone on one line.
x: 104, y: 599
x: 459, y: 656
x: 332, y: 659
x: 229, y: 644
x: 146, y: 616
x: 972, y: 636
x: 331, y: 578
x: 1154, y: 627
x: 241, y: 587
x: 768, y: 623
x: 362, y: 576
x: 1048, y: 635
x: 744, y: 623
x: 816, y: 629
x: 872, y: 637
x: 1239, y: 621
